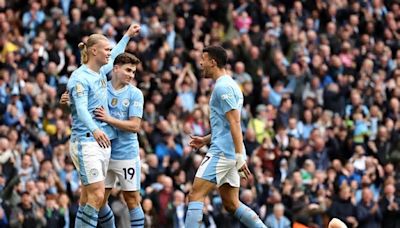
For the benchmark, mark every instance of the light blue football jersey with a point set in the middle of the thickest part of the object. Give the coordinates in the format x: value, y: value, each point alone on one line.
x: 225, y: 97
x: 123, y: 104
x: 88, y: 91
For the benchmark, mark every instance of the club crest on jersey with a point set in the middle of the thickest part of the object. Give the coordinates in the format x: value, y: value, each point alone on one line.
x: 114, y: 101
x: 125, y: 102
x: 103, y: 83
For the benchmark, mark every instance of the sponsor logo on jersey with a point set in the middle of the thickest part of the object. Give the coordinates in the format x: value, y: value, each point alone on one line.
x: 226, y: 96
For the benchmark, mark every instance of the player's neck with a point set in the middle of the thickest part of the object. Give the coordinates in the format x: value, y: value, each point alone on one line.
x: 219, y: 73
x: 93, y: 66
x: 117, y: 85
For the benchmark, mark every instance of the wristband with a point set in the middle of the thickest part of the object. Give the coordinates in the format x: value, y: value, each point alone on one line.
x: 240, y: 160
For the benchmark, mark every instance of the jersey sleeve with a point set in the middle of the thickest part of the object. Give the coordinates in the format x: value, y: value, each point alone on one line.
x: 118, y: 49
x: 226, y: 98
x: 79, y: 94
x: 136, y: 104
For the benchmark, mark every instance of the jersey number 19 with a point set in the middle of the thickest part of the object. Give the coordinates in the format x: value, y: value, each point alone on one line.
x: 130, y: 172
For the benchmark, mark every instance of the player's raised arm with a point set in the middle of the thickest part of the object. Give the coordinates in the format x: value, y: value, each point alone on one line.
x: 133, y: 30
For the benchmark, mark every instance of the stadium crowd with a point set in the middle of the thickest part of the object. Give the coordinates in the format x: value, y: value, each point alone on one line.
x: 321, y: 117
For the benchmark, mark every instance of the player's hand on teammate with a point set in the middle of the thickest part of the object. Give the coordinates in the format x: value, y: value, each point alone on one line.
x: 64, y: 98
x: 101, y: 138
x: 101, y: 114
x: 197, y: 142
x: 133, y: 30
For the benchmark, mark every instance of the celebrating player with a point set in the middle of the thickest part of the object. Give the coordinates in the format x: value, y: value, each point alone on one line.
x: 90, y: 139
x: 126, y: 111
x: 125, y: 103
x: 225, y: 162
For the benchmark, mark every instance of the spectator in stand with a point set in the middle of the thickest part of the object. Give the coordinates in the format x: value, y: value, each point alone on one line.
x: 389, y: 207
x: 343, y: 208
x: 186, y: 87
x: 277, y: 219
x: 368, y: 211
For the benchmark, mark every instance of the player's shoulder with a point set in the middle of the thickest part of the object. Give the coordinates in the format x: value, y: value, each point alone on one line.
x: 134, y: 90
x: 223, y: 92
x: 78, y: 81
x: 225, y: 85
x: 78, y: 75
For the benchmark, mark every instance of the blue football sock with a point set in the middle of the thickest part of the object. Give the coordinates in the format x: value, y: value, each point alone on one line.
x: 248, y: 217
x: 106, y: 217
x: 86, y: 217
x: 137, y: 217
x: 194, y: 215
x: 78, y: 216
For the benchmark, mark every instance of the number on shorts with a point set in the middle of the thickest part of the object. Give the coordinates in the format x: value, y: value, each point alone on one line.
x: 205, y: 160
x: 129, y: 171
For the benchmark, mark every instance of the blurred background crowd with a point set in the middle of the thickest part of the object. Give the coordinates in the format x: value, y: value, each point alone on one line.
x: 321, y: 119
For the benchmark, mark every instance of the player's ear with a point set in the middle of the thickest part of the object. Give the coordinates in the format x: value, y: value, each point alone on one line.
x: 116, y: 68
x: 213, y: 62
x: 93, y: 50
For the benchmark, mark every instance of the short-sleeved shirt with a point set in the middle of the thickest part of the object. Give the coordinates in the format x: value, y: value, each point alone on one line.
x: 225, y: 97
x: 124, y: 104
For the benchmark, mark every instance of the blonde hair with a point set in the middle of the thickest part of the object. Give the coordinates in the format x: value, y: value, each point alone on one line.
x: 84, y: 46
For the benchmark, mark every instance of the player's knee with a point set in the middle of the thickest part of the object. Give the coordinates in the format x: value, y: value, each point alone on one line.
x: 96, y: 199
x: 230, y: 206
x: 132, y: 200
x: 83, y: 200
x: 195, y: 196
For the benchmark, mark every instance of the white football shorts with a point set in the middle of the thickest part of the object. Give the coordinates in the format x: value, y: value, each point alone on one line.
x: 90, y: 160
x: 219, y: 170
x: 127, y: 172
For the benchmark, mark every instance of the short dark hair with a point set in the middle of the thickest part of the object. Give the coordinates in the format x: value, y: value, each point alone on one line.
x: 126, y: 58
x: 217, y: 53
